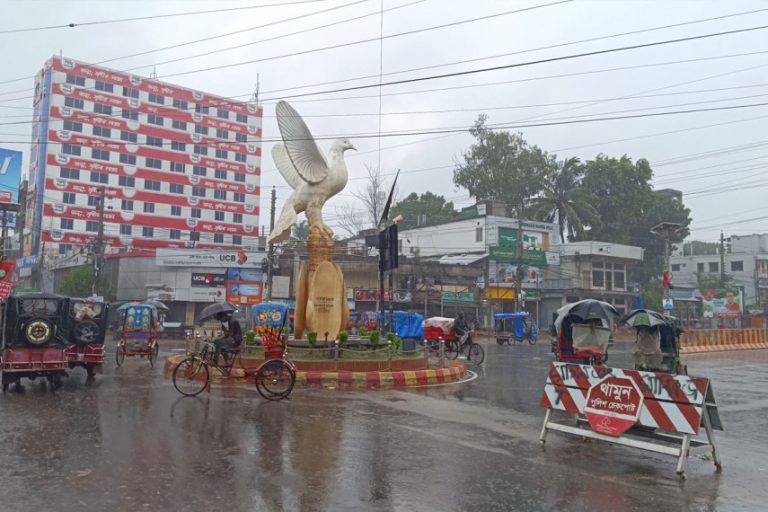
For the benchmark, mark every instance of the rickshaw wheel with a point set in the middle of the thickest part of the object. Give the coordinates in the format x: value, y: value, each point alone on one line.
x: 120, y: 355
x: 275, y: 379
x: 154, y: 351
x: 499, y: 341
x: 6, y: 381
x: 451, y: 349
x: 191, y: 376
x: 476, y: 353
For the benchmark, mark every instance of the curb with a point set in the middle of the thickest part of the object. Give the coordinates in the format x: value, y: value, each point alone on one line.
x: 722, y: 348
x: 346, y: 379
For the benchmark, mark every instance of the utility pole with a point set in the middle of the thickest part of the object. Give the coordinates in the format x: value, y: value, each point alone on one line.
x: 98, y: 249
x: 271, y: 249
x: 520, y: 258
x: 722, y: 260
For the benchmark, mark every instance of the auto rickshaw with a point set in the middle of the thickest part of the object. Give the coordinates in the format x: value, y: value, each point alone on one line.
x: 512, y: 327
x: 141, y: 325
x: 657, y: 345
x: 88, y: 320
x: 582, y: 332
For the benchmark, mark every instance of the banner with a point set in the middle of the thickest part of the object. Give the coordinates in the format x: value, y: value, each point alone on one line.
x: 10, y: 175
x: 721, y: 303
x: 244, y: 292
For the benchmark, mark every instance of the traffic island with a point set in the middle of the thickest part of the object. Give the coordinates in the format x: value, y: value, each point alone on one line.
x: 361, y: 375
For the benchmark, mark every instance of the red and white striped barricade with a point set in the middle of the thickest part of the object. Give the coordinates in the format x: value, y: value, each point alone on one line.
x: 653, y: 411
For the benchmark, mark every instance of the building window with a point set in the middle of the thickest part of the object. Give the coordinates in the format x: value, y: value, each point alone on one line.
x: 91, y: 225
x: 130, y: 114
x: 199, y: 170
x: 154, y: 141
x: 99, y: 177
x: 675, y: 267
x: 100, y: 131
x: 239, y: 197
x: 71, y: 149
x: 178, y: 167
x: 237, y: 218
x: 700, y: 268
x: 176, y: 211
x: 152, y: 185
x: 222, y: 114
x: 179, y: 125
x: 218, y: 238
x: 100, y: 108
x: 241, y: 118
x: 100, y: 154
x: 67, y: 224
x: 126, y: 205
x: 69, y: 173
x: 154, y: 163
x: 73, y: 127
x: 104, y: 86
x: 147, y: 232
x: 220, y: 174
x: 155, y: 119
x: 200, y: 150
x: 175, y: 234
x: 240, y: 177
x: 714, y: 266
x: 75, y: 80
x: 126, y: 181
x: 237, y: 240
x: 130, y: 93
x: 218, y: 216
x: 196, y: 213
x: 220, y: 194
x: 479, y: 234
x: 737, y: 266
x: 149, y: 207
x: 222, y: 134
x: 240, y: 157
x: 156, y: 98
x: 64, y: 248
x: 202, y: 130
x: 194, y: 236
x: 127, y: 159
x: 241, y: 137
x: 74, y: 103
x: 180, y: 104
x: 129, y: 137
x: 598, y: 277
x: 201, y: 109
x: 93, y: 201
x: 220, y: 153
x: 68, y: 198
x: 198, y: 191
x: 125, y: 229
x: 176, y: 188
x: 178, y: 146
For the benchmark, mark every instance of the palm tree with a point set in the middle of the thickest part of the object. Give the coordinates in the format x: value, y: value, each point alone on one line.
x: 562, y: 200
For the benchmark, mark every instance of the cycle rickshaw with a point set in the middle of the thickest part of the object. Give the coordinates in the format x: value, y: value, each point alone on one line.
x: 515, y: 327
x: 139, y: 332
x: 439, y: 328
x: 657, y: 345
x: 274, y: 378
x: 582, y: 332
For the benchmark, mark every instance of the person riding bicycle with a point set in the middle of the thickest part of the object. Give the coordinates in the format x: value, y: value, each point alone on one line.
x: 461, y: 327
x: 233, y: 335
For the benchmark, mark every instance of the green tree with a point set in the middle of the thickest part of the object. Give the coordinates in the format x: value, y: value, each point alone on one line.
x: 501, y: 165
x: 79, y: 283
x: 564, y: 202
x: 300, y: 232
x: 712, y: 281
x: 434, y: 207
x: 695, y: 247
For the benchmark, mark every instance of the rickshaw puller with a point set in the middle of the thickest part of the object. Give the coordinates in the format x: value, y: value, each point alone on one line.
x: 233, y: 335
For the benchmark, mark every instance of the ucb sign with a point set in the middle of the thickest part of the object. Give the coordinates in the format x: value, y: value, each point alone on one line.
x: 207, y: 259
x: 206, y: 279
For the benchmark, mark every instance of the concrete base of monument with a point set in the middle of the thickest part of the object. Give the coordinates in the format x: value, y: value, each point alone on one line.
x: 325, y: 374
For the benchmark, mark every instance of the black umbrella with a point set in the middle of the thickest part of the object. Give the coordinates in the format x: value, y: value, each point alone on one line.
x: 587, y: 309
x: 211, y: 311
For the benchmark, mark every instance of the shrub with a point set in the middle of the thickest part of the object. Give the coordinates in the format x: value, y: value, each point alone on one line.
x: 375, y: 338
x: 250, y: 337
x: 312, y: 339
x: 363, y: 331
x: 343, y: 338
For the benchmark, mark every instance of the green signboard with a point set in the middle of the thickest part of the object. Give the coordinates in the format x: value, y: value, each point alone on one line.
x: 509, y: 255
x: 458, y: 297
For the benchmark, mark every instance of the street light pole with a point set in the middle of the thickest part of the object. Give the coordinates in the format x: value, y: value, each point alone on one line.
x: 666, y: 230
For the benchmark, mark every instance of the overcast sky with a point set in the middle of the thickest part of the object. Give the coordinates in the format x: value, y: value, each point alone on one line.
x: 513, y: 95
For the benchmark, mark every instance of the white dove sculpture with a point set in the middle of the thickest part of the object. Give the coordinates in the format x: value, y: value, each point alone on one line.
x: 313, y: 178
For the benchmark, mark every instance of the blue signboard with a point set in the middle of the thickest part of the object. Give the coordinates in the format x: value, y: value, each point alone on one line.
x: 10, y: 175
x: 245, y: 274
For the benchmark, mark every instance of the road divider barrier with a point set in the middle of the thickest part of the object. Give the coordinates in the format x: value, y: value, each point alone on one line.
x: 716, y: 340
x: 652, y: 411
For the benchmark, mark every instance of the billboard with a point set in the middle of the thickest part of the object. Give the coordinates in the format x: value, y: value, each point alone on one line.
x: 534, y: 248
x: 245, y: 274
x: 10, y: 175
x: 721, y: 303
x: 244, y: 292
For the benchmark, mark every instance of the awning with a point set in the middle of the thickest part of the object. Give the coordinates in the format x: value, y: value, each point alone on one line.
x: 460, y: 259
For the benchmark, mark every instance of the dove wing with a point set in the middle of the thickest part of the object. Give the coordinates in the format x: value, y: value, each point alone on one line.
x: 285, y: 166
x: 300, y: 146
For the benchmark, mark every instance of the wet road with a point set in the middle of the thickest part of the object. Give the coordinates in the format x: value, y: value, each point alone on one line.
x: 129, y: 443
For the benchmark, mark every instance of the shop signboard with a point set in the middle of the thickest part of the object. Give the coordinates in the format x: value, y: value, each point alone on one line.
x: 457, y: 297
x: 208, y: 279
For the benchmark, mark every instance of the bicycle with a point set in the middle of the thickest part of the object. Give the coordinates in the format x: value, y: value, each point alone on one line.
x: 274, y: 378
x: 475, y: 352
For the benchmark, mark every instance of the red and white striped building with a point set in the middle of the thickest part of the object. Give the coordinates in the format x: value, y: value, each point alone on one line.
x: 181, y: 168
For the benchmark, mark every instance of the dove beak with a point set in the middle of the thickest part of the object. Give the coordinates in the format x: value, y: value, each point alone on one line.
x: 352, y: 147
